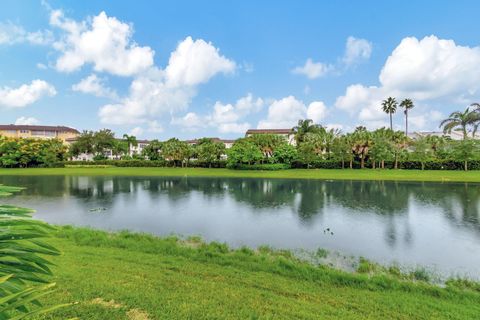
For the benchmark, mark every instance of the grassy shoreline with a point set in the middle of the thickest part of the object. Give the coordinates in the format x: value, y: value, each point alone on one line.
x: 138, y: 276
x: 333, y: 174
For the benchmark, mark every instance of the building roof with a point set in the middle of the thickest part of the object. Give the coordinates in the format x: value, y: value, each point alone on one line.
x: 76, y: 138
x: 37, y: 128
x: 455, y: 134
x: 269, y: 131
x: 195, y: 141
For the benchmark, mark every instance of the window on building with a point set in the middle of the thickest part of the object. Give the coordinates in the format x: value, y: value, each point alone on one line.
x: 41, y: 133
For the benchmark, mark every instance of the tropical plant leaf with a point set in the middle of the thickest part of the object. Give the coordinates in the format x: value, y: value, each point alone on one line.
x: 22, y: 261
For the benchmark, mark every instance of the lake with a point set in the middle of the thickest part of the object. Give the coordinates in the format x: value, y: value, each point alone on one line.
x: 410, y: 223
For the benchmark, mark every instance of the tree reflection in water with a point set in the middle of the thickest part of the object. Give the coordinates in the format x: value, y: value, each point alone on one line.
x: 308, y: 199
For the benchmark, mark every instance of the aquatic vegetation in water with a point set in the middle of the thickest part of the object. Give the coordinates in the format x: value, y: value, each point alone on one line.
x: 97, y: 209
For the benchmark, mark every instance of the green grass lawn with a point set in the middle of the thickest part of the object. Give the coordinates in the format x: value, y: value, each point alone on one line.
x: 131, y: 276
x: 346, y: 174
x: 139, y: 277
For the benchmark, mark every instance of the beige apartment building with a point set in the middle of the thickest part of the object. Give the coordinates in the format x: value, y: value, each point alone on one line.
x: 38, y: 132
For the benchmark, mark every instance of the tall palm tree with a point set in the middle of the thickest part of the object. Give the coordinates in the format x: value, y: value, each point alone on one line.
x: 302, y: 128
x: 131, y: 141
x: 462, y: 120
x: 390, y: 106
x: 476, y: 105
x: 406, y: 104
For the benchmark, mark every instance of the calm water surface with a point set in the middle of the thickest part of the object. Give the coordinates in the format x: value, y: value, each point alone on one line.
x: 430, y: 224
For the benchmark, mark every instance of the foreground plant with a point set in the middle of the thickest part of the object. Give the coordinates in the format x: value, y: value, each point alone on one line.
x: 22, y: 266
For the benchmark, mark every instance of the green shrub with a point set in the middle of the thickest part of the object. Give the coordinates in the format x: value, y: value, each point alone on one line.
x: 265, y: 166
x: 421, y: 274
x: 142, y: 163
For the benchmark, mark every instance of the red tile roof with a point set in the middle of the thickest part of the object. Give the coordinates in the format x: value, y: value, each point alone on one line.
x: 37, y: 128
x: 269, y: 131
x: 195, y: 141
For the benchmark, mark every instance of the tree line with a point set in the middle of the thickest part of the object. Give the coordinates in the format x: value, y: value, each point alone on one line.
x: 315, y: 146
x: 31, y: 152
x: 179, y: 153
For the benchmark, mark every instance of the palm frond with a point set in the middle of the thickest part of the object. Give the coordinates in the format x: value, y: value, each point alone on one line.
x: 22, y: 262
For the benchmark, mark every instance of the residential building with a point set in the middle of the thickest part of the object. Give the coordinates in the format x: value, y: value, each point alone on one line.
x: 454, y: 135
x: 134, y: 150
x: 228, y: 143
x: 138, y: 149
x: 286, y: 133
x: 38, y: 132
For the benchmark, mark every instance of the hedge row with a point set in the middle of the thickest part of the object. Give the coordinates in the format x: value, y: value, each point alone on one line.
x: 407, y: 165
x: 322, y: 164
x: 266, y: 166
x: 144, y: 163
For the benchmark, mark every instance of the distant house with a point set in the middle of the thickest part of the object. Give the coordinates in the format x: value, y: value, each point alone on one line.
x: 134, y: 150
x: 138, y: 149
x: 38, y: 132
x: 454, y: 135
x: 286, y: 133
x: 228, y: 143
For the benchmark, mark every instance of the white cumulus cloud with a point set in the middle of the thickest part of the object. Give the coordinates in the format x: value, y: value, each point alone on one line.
x: 30, y: 121
x: 137, y: 131
x: 286, y: 112
x: 226, y: 118
x: 356, y: 50
x: 195, y: 62
x: 316, y: 111
x: 11, y: 33
x: 156, y: 91
x: 233, y: 127
x: 191, y: 121
x: 96, y: 86
x: 431, y: 68
x: 25, y: 94
x: 313, y: 70
x: 431, y: 71
x: 102, y: 41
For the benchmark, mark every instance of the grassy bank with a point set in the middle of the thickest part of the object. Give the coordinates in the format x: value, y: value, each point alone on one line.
x: 128, y: 276
x: 346, y: 174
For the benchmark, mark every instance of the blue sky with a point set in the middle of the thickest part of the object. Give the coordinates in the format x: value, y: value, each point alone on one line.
x: 191, y: 69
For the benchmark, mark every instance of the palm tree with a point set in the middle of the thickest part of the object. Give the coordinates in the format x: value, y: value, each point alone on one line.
x: 302, y: 128
x: 400, y: 143
x: 476, y: 105
x: 267, y: 143
x: 23, y: 263
x: 361, y: 144
x: 131, y: 141
x: 462, y: 120
x: 406, y: 104
x: 390, y: 106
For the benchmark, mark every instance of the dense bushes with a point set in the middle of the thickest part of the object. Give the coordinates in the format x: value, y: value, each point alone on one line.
x: 118, y: 163
x: 407, y: 165
x: 320, y: 164
x: 144, y: 163
x: 265, y: 166
x: 22, y: 153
